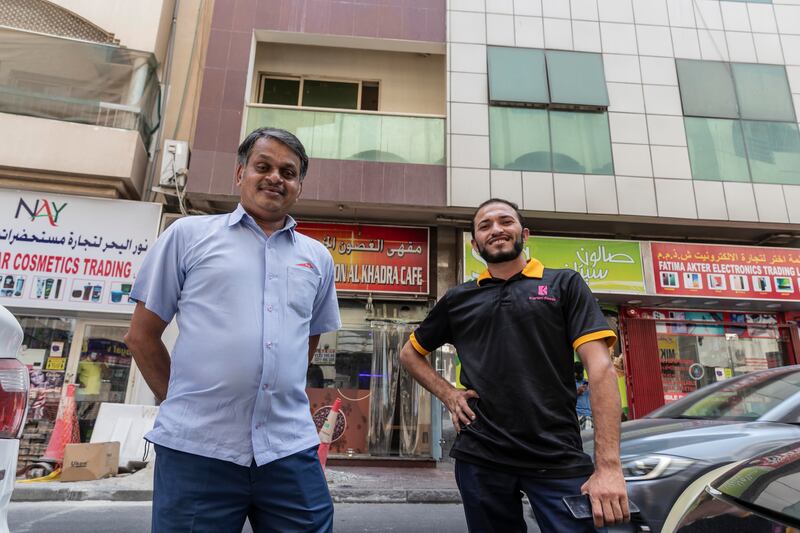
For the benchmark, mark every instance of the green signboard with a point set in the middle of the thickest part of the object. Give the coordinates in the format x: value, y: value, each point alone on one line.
x: 607, y: 266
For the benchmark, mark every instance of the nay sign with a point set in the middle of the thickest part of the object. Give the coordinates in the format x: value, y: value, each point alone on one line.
x: 40, y: 208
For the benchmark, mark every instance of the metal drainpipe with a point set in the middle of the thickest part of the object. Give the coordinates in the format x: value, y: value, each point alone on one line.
x: 147, y: 193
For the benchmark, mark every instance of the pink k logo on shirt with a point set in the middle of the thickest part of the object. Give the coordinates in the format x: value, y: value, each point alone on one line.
x: 542, y: 290
x: 307, y: 265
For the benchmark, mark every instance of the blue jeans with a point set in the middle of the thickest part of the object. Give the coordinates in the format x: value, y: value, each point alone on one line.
x: 493, y: 501
x: 197, y: 494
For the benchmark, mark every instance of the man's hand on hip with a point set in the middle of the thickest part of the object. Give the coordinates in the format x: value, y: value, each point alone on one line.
x: 606, y: 490
x: 456, y: 402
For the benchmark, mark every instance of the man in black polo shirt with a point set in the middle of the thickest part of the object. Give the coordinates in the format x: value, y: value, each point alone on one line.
x: 515, y: 329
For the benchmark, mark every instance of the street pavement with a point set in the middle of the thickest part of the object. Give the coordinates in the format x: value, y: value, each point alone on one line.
x: 134, y: 517
x: 363, y: 484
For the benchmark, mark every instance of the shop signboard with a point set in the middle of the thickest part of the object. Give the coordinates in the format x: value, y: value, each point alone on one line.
x: 608, y: 266
x: 375, y: 259
x: 719, y: 271
x: 72, y: 253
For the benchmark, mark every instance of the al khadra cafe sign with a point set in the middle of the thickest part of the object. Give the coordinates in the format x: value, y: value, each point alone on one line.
x: 72, y: 253
x: 608, y: 266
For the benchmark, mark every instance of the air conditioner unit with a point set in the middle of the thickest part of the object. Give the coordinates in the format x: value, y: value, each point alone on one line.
x: 174, y: 163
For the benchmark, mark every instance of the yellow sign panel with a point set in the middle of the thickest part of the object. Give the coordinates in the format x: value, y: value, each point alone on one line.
x: 56, y: 363
x: 668, y: 348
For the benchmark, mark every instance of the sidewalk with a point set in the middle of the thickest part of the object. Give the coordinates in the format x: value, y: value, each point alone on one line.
x: 347, y: 485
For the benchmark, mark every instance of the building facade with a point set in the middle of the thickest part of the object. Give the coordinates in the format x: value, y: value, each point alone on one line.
x: 87, y: 91
x: 660, y: 138
x: 651, y: 144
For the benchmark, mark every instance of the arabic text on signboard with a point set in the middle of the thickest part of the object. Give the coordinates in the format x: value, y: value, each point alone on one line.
x: 72, y: 253
x: 607, y: 266
x: 726, y: 271
x: 379, y: 259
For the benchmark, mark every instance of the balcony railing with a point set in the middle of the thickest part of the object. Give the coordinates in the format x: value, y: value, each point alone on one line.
x: 91, y: 112
x: 357, y: 135
x: 76, y: 81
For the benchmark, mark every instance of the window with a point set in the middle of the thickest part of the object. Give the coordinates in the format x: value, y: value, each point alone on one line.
x: 576, y: 79
x: 306, y: 92
x: 517, y: 76
x: 520, y: 138
x: 774, y: 151
x: 707, y: 89
x: 581, y: 143
x: 740, y: 122
x: 548, y: 111
x: 317, y: 93
x: 716, y: 149
x: 281, y: 91
x: 763, y: 92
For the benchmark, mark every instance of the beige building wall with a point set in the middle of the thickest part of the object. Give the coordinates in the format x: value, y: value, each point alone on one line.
x: 144, y: 25
x: 409, y: 82
x: 74, y: 151
x: 139, y: 25
x: 183, y: 87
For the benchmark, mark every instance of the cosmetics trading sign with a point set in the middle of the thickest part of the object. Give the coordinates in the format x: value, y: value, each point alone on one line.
x: 72, y: 253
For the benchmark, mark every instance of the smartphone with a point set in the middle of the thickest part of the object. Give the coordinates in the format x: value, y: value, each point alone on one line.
x: 580, y: 507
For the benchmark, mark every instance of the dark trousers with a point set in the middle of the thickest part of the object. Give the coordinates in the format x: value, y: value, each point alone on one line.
x: 493, y: 501
x: 198, y: 494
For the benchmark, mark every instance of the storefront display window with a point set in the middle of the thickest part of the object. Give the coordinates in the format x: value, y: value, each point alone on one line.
x: 103, y: 372
x: 45, y: 349
x: 384, y: 412
x: 693, y: 354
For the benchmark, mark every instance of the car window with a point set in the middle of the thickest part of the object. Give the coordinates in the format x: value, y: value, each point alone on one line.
x: 771, y: 481
x: 745, y: 399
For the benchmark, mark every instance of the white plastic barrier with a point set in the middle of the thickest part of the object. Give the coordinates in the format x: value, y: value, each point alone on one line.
x: 126, y: 424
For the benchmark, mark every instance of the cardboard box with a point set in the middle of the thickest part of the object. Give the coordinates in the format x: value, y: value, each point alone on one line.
x: 85, y: 462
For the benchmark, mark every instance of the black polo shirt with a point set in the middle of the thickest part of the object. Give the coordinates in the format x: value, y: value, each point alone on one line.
x: 515, y: 339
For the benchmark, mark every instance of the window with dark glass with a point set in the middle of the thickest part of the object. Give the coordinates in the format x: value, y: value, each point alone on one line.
x: 740, y: 122
x: 548, y: 111
x: 280, y: 91
x: 307, y: 92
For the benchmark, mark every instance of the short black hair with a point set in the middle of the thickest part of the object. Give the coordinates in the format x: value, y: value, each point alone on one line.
x: 287, y: 138
x: 509, y: 203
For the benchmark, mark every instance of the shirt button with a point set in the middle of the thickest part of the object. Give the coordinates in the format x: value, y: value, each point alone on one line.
x: 259, y: 425
x: 269, y: 308
x: 264, y: 387
x: 269, y: 345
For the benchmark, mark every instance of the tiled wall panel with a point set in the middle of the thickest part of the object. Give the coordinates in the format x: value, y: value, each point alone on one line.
x: 639, y: 41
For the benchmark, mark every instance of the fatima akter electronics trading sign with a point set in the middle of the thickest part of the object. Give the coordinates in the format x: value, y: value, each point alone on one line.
x: 726, y: 271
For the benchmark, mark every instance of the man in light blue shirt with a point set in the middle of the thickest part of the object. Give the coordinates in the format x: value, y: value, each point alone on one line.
x: 234, y: 436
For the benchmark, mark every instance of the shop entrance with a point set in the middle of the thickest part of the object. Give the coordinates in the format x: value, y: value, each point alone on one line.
x: 63, y: 350
x: 384, y: 413
x: 101, y: 367
x: 673, y: 353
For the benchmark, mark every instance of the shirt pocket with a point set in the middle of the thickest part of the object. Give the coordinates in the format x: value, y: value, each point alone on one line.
x: 303, y: 284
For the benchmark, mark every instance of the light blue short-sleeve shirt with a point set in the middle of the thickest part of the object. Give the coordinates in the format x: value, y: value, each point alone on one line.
x: 245, y: 305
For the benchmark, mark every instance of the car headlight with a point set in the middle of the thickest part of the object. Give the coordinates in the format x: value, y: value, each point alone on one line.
x: 653, y: 466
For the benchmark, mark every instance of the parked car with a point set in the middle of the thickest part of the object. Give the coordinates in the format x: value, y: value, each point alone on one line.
x: 761, y: 495
x: 14, y: 384
x: 670, y: 455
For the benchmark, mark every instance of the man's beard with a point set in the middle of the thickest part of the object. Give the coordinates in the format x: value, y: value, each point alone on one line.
x: 502, y: 257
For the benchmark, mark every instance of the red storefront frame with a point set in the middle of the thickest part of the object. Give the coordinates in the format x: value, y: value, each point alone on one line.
x: 643, y: 375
